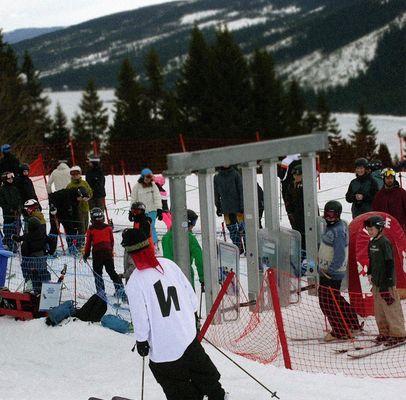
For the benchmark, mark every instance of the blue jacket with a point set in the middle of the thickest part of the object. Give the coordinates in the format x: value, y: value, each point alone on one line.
x: 333, y: 251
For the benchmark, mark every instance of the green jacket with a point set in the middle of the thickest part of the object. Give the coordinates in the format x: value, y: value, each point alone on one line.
x: 196, y: 254
x: 76, y: 184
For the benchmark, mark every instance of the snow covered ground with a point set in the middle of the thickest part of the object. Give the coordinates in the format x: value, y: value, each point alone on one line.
x: 77, y: 359
x: 387, y: 125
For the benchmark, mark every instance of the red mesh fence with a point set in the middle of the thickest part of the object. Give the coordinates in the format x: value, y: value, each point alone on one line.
x: 252, y: 331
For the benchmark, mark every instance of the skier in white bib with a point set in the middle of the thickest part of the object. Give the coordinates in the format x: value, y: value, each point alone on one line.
x: 163, y: 307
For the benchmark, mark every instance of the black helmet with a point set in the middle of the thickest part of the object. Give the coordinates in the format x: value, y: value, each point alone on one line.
x: 361, y: 162
x: 24, y: 167
x: 191, y: 218
x: 375, y: 164
x: 333, y: 206
x: 376, y: 220
x: 96, y: 214
x: 138, y: 205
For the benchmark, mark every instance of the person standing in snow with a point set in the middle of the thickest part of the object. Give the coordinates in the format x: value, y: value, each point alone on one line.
x: 96, y: 180
x: 163, y: 307
x: 362, y: 189
x: 229, y: 201
x: 145, y: 191
x: 391, y: 198
x: 24, y: 184
x: 195, y: 250
x: 166, y: 214
x: 333, y: 256
x: 375, y: 168
x: 381, y: 274
x: 60, y: 177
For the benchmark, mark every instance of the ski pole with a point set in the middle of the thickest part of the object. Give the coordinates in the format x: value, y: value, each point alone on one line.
x: 142, y: 378
x: 201, y: 298
x: 273, y: 394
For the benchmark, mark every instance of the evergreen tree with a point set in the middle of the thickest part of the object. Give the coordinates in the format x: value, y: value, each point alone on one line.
x: 363, y: 139
x: 59, y: 130
x: 91, y: 124
x: 192, y: 87
x: 229, y: 104
x: 131, y: 113
x: 155, y: 84
x: 295, y: 108
x: 267, y: 96
x: 384, y: 155
x: 16, y: 118
x: 39, y: 103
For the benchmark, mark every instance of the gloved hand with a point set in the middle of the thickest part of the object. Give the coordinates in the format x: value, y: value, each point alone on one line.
x: 131, y: 216
x: 159, y: 214
x: 389, y: 300
x: 52, y: 209
x: 16, y: 238
x: 202, y: 287
x: 219, y: 212
x: 143, y: 348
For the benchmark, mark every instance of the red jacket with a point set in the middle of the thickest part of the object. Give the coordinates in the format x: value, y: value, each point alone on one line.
x: 100, y: 237
x: 393, y: 202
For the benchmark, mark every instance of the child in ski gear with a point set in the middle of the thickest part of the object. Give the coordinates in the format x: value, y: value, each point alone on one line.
x: 195, y: 249
x: 163, y: 307
x: 381, y: 273
x: 333, y: 256
x: 10, y: 202
x: 391, y: 198
x: 33, y: 248
x: 375, y: 166
x: 147, y: 192
x: 362, y: 189
x: 99, y: 239
x: 141, y: 222
x: 96, y: 180
x: 229, y: 201
x: 85, y: 193
x: 60, y: 177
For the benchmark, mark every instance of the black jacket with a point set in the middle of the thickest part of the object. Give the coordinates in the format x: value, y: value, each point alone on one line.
x: 228, y: 193
x: 25, y: 188
x: 35, y: 239
x: 365, y: 185
x: 10, y: 200
x: 95, y: 178
x: 295, y: 206
x: 9, y: 163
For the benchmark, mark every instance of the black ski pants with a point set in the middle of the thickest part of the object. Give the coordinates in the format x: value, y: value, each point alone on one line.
x: 100, y: 261
x: 190, y: 377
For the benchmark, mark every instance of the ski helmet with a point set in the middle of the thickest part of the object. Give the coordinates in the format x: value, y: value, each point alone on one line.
x: 191, y: 218
x: 361, y: 162
x: 159, y: 179
x: 333, y: 209
x: 138, y: 206
x: 388, y: 172
x: 75, y: 169
x: 375, y: 165
x: 24, y: 167
x: 31, y: 205
x: 96, y: 214
x: 376, y: 220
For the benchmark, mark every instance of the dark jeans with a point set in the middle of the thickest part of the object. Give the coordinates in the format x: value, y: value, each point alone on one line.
x: 335, y: 316
x: 190, y: 377
x: 104, y: 261
x: 35, y: 269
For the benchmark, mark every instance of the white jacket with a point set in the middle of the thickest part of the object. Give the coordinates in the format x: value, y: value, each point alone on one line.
x: 60, y: 177
x: 149, y: 195
x: 162, y: 304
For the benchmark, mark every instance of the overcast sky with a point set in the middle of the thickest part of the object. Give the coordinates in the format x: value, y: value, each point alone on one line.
x: 16, y: 14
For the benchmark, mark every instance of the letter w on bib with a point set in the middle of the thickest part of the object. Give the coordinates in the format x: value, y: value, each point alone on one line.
x: 165, y: 303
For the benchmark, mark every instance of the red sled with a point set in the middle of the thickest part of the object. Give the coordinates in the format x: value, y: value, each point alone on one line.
x: 360, y: 295
x: 23, y: 306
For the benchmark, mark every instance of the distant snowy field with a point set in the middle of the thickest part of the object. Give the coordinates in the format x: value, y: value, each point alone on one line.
x: 387, y: 125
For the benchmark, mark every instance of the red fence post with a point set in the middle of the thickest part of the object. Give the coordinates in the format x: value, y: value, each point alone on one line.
x: 182, y: 143
x: 278, y: 317
x: 72, y: 152
x: 114, y: 186
x: 257, y: 137
x: 216, y: 305
x: 124, y: 178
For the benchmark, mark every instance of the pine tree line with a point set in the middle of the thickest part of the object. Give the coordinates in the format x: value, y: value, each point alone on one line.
x: 219, y: 94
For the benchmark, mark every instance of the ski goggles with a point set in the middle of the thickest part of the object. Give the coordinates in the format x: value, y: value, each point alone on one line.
x: 388, y: 172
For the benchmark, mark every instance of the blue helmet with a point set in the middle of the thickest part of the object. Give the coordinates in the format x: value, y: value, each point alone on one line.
x: 145, y: 172
x: 5, y: 148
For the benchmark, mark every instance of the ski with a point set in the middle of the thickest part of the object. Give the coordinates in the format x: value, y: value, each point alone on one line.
x: 374, y: 350
x: 355, y: 348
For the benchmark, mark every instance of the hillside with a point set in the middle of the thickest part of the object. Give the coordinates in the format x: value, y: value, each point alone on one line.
x: 19, y: 35
x: 340, y: 45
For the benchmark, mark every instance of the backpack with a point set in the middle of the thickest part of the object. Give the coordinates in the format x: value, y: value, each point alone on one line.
x: 116, y: 323
x: 58, y: 314
x: 93, y: 310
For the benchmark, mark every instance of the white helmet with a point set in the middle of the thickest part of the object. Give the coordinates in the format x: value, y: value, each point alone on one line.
x: 31, y: 203
x: 76, y: 168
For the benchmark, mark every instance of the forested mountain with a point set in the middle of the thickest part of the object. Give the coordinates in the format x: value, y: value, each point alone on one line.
x: 19, y: 35
x: 353, y: 49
